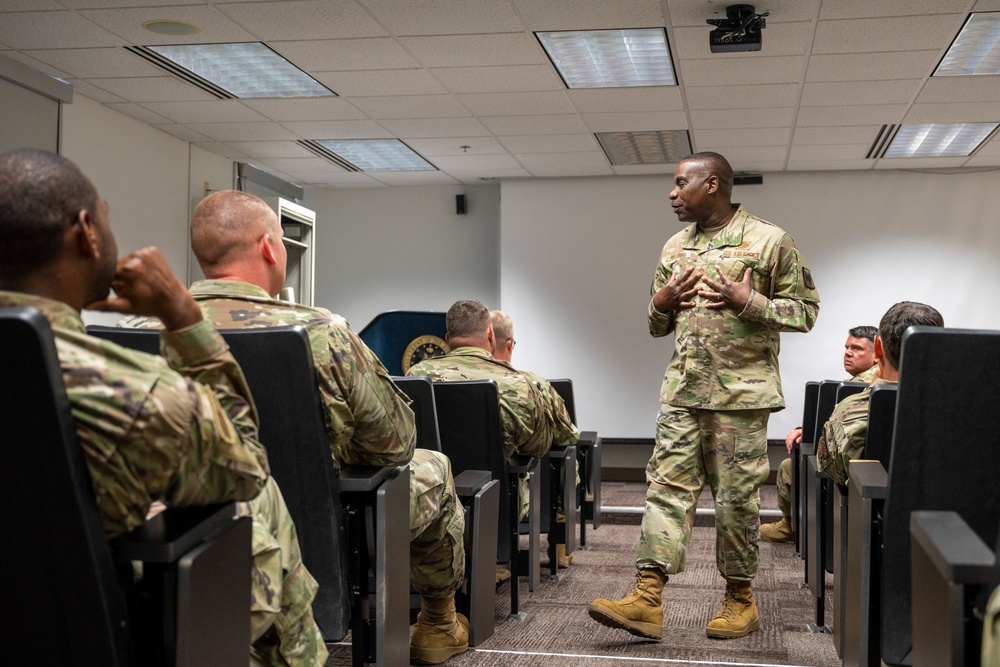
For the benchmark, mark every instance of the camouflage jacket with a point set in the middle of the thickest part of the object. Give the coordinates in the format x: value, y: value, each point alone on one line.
x: 564, y: 431
x: 724, y: 360
x: 368, y: 418
x: 527, y: 428
x: 866, y: 376
x: 844, y: 434
x: 179, y: 428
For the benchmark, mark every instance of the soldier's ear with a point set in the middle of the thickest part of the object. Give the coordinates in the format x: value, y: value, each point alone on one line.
x: 879, y: 352
x: 266, y: 250
x: 84, y: 234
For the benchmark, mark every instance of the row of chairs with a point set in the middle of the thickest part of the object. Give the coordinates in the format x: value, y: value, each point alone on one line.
x: 906, y: 539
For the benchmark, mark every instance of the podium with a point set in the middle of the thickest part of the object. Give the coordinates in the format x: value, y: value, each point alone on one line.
x: 402, y: 338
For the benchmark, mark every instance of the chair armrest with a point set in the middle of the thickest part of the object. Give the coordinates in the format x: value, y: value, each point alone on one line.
x: 957, y: 552
x: 172, y: 533
x: 520, y: 464
x: 361, y: 479
x: 869, y: 477
x: 469, y: 482
x: 587, y: 439
x: 807, y: 449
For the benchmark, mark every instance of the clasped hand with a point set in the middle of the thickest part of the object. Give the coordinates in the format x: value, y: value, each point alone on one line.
x: 679, y: 292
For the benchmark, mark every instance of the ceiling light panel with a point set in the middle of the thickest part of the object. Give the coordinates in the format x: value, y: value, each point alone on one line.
x: 976, y: 50
x: 938, y: 139
x: 610, y: 58
x: 378, y: 154
x: 654, y: 147
x: 247, y: 69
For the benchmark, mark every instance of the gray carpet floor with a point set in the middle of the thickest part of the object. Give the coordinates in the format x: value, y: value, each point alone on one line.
x: 558, y: 631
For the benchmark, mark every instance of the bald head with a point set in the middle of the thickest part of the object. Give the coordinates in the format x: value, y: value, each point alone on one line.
x: 718, y: 166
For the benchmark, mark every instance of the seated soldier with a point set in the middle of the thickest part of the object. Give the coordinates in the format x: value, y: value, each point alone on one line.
x: 180, y: 428
x: 527, y: 425
x: 236, y: 238
x: 860, y: 363
x: 564, y: 431
x: 843, y: 436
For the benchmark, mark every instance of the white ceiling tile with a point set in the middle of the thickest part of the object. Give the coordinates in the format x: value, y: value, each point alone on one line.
x: 516, y: 104
x: 476, y: 177
x: 127, y: 24
x: 514, y: 78
x: 339, y: 129
x: 335, y: 55
x: 222, y: 149
x: 635, y: 122
x: 983, y: 161
x: 860, y: 92
x: 603, y: 100
x: 31, y: 5
x: 525, y: 125
x: 312, y: 108
x: 307, y: 168
x: 476, y: 50
x: 413, y: 177
x: 987, y: 6
x: 761, y: 136
x: 716, y: 119
x: 181, y: 132
x: 688, y: 13
x: 417, y: 128
x: 872, y: 66
x: 851, y: 115
x: 443, y: 17
x: 829, y: 152
x: 566, y: 164
x: 304, y: 19
x: 990, y: 147
x: 777, y: 39
x: 555, y: 143
x: 961, y: 112
x: 948, y: 89
x: 817, y: 136
x: 742, y: 97
x: 741, y: 156
x: 743, y: 71
x: 53, y: 30
x: 756, y: 166
x: 473, y: 162
x: 25, y: 58
x: 410, y: 106
x: 270, y: 149
x: 103, y: 4
x: 589, y: 14
x: 243, y: 131
x: 139, y: 113
x: 154, y: 89
x: 216, y: 111
x: 457, y: 146
x: 857, y: 9
x: 831, y: 165
x: 83, y: 87
x: 381, y: 82
x: 921, y: 163
x: 906, y: 33
x: 644, y: 169
x: 102, y: 62
x: 345, y: 180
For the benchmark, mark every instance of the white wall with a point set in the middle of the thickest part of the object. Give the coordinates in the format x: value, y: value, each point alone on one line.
x: 404, y: 248
x: 577, y: 257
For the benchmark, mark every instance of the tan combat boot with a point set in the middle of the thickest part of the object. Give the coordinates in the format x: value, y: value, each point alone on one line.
x: 640, y: 612
x: 779, y: 531
x: 738, y: 616
x: 439, y: 633
x: 563, y: 560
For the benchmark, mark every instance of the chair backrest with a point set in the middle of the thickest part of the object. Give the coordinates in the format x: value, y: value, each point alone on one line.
x: 825, y: 403
x: 881, y: 417
x: 564, y: 387
x: 144, y: 340
x: 55, y: 563
x: 809, y: 413
x: 945, y: 446
x: 418, y: 388
x: 277, y: 363
x: 472, y: 437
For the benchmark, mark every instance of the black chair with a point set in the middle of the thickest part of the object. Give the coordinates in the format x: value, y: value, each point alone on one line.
x: 805, y: 448
x: 589, y: 451
x: 947, y: 388
x: 472, y: 437
x: 190, y: 608
x: 480, y: 496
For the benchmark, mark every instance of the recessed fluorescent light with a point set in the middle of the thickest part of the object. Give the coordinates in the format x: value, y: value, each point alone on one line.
x: 247, y: 70
x: 654, y: 147
x: 610, y: 58
x: 976, y: 50
x: 938, y: 139
x: 377, y: 154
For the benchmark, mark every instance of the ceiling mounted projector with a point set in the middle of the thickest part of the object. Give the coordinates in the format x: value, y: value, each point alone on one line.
x: 739, y: 31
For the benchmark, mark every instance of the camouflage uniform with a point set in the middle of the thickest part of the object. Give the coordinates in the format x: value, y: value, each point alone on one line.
x: 527, y: 420
x: 162, y: 428
x: 719, y: 388
x: 369, y: 421
x: 564, y: 431
x: 843, y: 436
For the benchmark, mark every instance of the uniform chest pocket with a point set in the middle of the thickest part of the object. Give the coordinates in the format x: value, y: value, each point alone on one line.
x: 734, y: 269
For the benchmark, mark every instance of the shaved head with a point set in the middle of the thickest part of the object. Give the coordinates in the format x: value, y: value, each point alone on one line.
x: 226, y: 225
x: 718, y: 166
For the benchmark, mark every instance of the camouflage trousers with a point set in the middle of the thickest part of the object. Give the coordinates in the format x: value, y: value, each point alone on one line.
x: 728, y: 451
x: 784, y: 484
x: 437, y: 526
x: 283, y: 632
